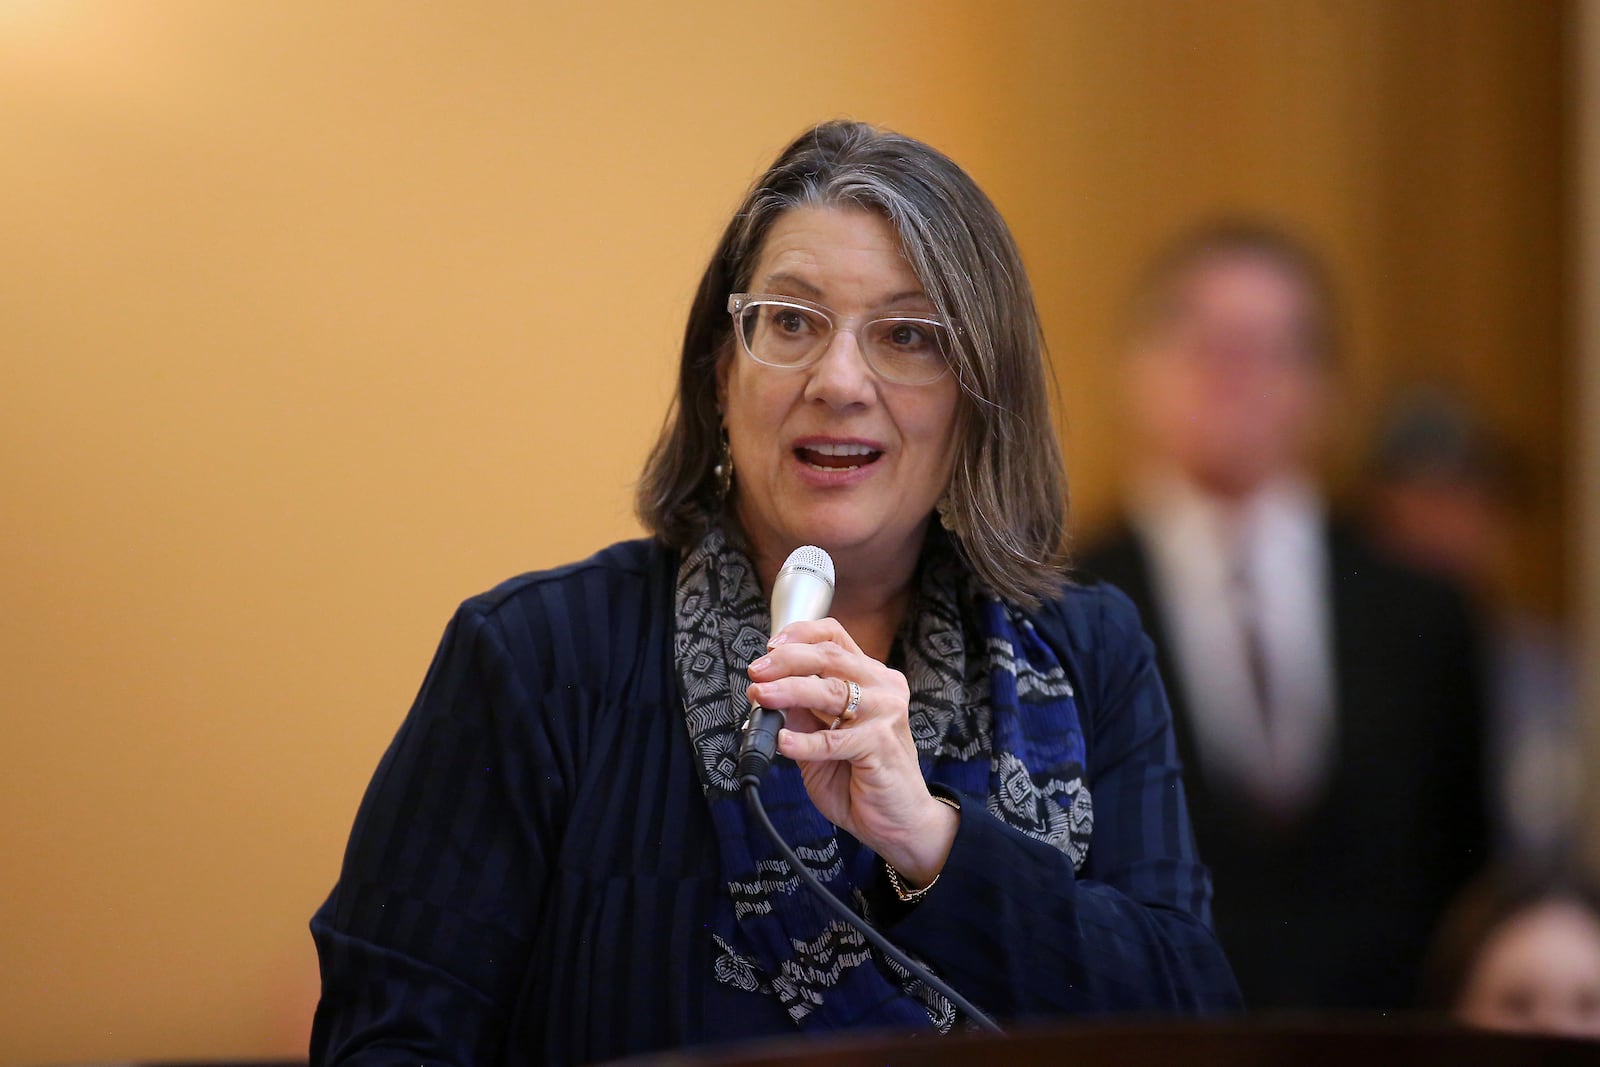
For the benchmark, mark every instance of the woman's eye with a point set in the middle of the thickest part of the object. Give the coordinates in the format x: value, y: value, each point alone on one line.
x: 790, y: 321
x: 905, y: 336
x: 923, y: 340
x: 909, y: 337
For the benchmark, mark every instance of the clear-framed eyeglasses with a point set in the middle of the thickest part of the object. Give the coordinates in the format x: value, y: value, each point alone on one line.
x: 788, y: 332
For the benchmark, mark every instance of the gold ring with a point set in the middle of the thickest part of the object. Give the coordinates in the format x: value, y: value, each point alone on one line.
x: 853, y: 703
x: 837, y: 719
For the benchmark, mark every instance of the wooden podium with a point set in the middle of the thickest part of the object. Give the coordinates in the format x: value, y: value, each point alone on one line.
x: 1281, y: 1043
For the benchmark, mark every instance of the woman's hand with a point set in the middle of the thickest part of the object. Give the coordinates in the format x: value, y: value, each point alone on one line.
x: 863, y: 776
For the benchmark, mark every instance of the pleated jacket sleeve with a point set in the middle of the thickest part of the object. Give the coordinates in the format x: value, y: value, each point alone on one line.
x: 425, y: 939
x: 1009, y: 922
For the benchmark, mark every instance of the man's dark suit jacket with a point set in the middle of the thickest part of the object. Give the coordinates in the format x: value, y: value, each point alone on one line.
x: 1335, y: 910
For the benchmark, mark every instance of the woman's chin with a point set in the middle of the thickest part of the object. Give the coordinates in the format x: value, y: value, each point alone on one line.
x: 848, y: 535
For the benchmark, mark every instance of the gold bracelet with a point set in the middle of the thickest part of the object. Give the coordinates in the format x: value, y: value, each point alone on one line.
x: 911, y: 896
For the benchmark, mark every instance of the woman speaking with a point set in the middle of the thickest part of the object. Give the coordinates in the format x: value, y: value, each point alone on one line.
x: 553, y: 863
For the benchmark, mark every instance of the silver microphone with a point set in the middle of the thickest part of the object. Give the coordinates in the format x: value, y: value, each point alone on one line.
x: 803, y: 591
x: 804, y: 587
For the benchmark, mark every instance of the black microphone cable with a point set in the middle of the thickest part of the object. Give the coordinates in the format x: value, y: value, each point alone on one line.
x: 752, y: 795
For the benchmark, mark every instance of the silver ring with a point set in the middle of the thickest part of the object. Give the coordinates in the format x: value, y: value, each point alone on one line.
x: 837, y: 719
x: 853, y: 703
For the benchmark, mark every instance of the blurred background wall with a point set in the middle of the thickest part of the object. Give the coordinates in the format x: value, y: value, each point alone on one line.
x: 321, y: 317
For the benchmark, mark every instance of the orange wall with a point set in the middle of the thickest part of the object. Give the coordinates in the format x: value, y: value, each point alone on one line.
x: 1419, y: 144
x: 320, y: 317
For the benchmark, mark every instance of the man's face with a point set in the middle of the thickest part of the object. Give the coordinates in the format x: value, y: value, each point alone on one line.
x: 1226, y: 384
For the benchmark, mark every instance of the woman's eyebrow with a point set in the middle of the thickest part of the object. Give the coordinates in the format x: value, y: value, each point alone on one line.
x: 908, y: 295
x: 793, y: 281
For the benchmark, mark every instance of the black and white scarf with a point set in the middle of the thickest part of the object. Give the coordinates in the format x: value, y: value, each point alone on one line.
x: 994, y: 719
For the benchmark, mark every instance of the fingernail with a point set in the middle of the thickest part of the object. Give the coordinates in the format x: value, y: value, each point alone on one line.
x: 778, y: 639
x: 761, y: 664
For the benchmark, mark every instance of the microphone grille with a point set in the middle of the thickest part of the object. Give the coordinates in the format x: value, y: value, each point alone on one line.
x: 812, y: 560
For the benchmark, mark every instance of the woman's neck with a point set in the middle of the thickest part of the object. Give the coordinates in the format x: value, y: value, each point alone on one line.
x: 872, y: 615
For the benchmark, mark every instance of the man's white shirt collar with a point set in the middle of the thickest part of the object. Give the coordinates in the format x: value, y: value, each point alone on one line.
x: 1275, y: 541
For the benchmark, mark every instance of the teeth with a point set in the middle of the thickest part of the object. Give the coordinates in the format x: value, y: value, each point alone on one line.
x: 820, y: 467
x: 841, y: 450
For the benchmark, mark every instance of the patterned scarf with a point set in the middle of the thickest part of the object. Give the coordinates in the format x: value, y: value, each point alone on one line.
x: 1003, y: 726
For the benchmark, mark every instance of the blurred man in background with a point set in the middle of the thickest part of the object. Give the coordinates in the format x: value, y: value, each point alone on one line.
x: 1327, y: 700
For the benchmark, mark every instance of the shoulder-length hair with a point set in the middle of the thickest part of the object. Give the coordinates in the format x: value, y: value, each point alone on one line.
x: 1006, y: 502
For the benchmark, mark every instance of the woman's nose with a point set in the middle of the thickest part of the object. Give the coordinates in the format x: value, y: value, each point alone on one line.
x: 842, y: 376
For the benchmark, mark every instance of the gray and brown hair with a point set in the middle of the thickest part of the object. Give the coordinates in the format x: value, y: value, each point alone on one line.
x: 1007, y: 499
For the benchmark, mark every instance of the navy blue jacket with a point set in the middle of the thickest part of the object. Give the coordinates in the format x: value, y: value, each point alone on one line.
x: 532, y: 869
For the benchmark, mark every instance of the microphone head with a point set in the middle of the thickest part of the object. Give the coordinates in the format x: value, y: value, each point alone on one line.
x: 809, y: 559
x: 804, y: 587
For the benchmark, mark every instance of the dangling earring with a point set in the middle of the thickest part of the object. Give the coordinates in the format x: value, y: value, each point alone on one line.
x: 724, y: 469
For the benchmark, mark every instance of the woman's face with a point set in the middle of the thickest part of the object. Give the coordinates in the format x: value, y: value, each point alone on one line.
x: 1539, y: 971
x: 831, y: 454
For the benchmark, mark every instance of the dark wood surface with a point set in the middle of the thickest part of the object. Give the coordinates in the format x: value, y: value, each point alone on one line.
x: 1286, y: 1043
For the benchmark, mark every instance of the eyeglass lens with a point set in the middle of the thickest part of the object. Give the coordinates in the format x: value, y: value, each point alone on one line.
x: 903, y: 350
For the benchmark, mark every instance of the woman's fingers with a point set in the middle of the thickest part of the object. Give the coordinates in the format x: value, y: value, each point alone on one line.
x: 823, y: 697
x: 798, y: 720
x: 815, y: 631
x: 819, y: 745
x: 827, y: 658
x: 812, y: 668
x: 865, y: 776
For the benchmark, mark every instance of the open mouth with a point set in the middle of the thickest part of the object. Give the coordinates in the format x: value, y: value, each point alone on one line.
x: 831, y: 457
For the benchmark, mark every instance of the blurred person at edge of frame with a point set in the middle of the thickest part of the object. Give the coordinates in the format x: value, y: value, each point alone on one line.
x: 553, y: 863
x: 1520, y: 955
x: 1326, y: 700
x: 1442, y: 492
